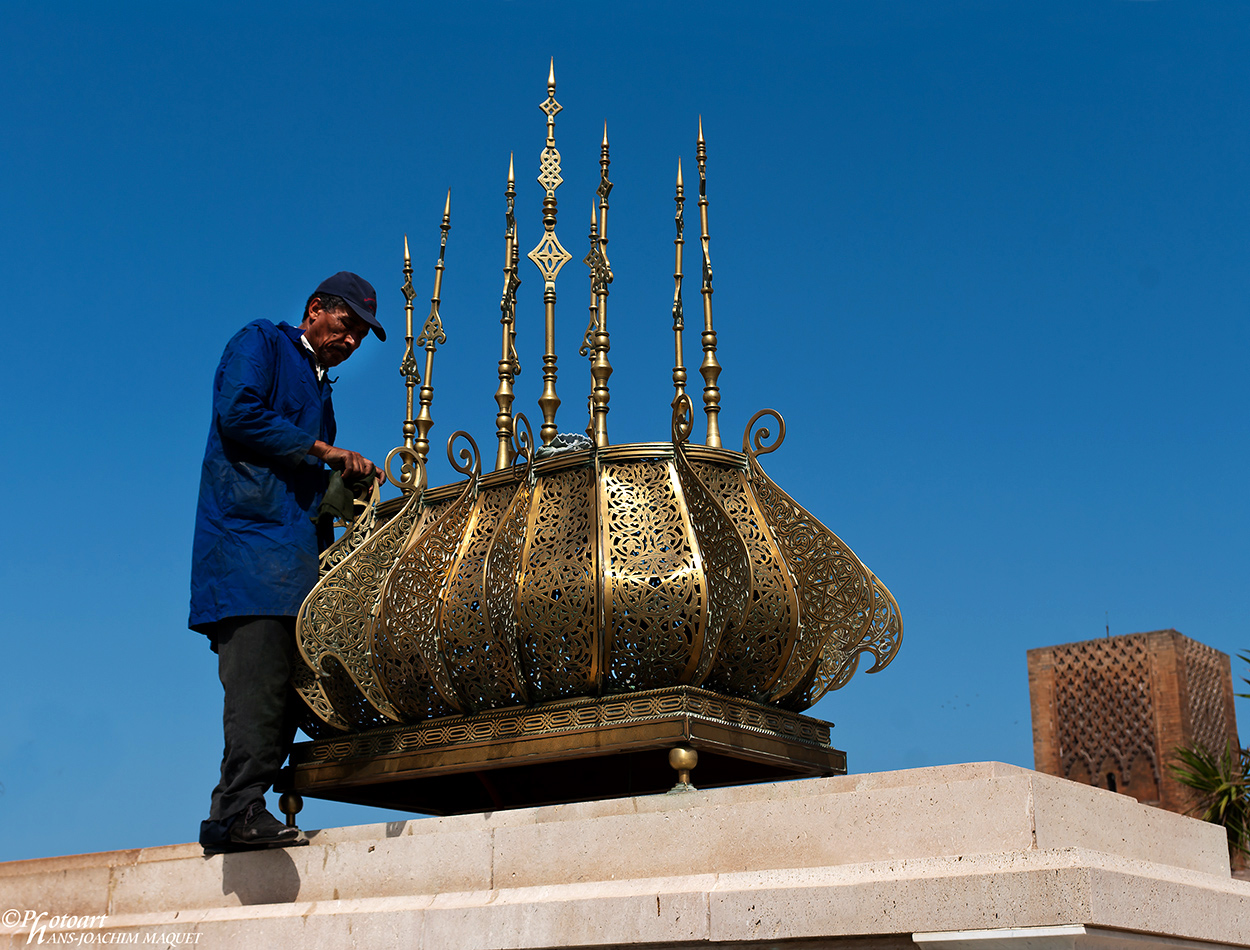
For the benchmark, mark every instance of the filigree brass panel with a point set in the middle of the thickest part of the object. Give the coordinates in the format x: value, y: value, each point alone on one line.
x: 638, y: 567
x: 834, y: 589
x: 360, y: 528
x: 723, y: 557
x: 404, y: 639
x: 557, y: 601
x: 656, y: 594
x: 881, y: 639
x: 334, y: 619
x: 478, y: 664
x: 320, y: 717
x: 840, y: 600
x: 503, y: 556
x: 753, y: 654
x: 710, y: 574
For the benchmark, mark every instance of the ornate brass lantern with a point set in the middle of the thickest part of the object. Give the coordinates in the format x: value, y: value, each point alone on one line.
x: 564, y: 578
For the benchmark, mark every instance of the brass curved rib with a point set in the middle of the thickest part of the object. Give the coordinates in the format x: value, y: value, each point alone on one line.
x: 476, y: 640
x: 332, y: 626
x: 838, y: 596
x: 404, y: 639
x: 501, y: 561
x: 360, y: 527
x: 882, y: 641
x: 479, y: 665
x: 306, y: 683
x: 754, y: 654
x: 723, y: 557
x: 321, y: 712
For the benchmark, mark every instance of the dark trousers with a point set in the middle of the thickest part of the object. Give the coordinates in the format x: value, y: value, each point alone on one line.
x: 254, y: 657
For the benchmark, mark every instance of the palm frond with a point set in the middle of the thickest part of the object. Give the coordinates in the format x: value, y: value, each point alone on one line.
x: 1222, y: 784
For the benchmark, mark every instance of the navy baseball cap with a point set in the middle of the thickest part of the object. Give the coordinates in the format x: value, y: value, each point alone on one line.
x: 359, y: 295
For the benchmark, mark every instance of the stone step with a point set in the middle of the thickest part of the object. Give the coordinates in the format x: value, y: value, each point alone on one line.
x: 950, y: 848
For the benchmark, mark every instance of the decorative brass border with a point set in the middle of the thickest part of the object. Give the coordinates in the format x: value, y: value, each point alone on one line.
x: 626, y: 451
x: 568, y: 716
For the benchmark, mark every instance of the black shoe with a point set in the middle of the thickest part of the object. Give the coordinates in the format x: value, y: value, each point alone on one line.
x: 252, y: 829
x: 215, y: 836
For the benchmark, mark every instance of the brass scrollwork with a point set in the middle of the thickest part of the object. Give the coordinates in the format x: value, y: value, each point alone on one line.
x: 469, y: 455
x: 320, y: 718
x: 683, y: 418
x: 753, y: 443
x: 412, y: 477
x: 523, y: 446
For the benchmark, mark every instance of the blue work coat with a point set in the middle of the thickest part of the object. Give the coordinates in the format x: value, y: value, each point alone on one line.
x: 256, y: 547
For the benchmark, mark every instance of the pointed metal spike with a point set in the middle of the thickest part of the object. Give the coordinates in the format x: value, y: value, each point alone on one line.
x: 679, y: 181
x: 700, y: 130
x: 447, y: 206
x: 511, y: 170
x: 407, y: 256
x: 605, y: 132
x: 551, y: 76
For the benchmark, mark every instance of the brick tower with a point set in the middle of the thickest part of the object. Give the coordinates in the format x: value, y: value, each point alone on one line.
x: 1109, y: 712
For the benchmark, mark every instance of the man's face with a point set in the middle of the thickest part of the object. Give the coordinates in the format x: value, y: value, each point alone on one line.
x: 334, y: 335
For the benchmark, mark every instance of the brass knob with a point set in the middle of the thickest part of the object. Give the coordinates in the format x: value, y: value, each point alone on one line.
x: 290, y: 803
x: 683, y: 759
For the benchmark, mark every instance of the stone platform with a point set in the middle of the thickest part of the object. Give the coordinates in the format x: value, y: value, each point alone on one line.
x: 963, y: 857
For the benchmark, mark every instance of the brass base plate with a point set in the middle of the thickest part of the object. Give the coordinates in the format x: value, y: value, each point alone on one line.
x: 565, y: 751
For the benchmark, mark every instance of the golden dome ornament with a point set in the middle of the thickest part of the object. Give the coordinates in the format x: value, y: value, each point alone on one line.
x: 548, y: 630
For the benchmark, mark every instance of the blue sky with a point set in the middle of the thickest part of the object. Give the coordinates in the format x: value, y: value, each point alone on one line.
x: 990, y: 260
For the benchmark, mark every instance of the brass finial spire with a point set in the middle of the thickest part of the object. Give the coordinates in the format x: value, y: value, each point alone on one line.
x: 408, y: 365
x: 679, y: 321
x: 588, y: 338
x: 549, y: 256
x: 431, y: 336
x: 597, y: 337
x: 509, y: 365
x: 710, y: 368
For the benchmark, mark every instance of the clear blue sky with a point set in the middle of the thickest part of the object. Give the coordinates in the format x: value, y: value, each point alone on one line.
x: 990, y: 260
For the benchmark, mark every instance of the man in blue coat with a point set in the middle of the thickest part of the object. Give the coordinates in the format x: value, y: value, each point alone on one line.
x: 254, y: 558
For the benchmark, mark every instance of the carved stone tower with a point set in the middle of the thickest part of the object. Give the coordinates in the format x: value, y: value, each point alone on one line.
x: 1109, y: 712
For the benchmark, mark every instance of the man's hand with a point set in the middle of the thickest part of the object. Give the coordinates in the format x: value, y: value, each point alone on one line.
x: 351, y: 464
